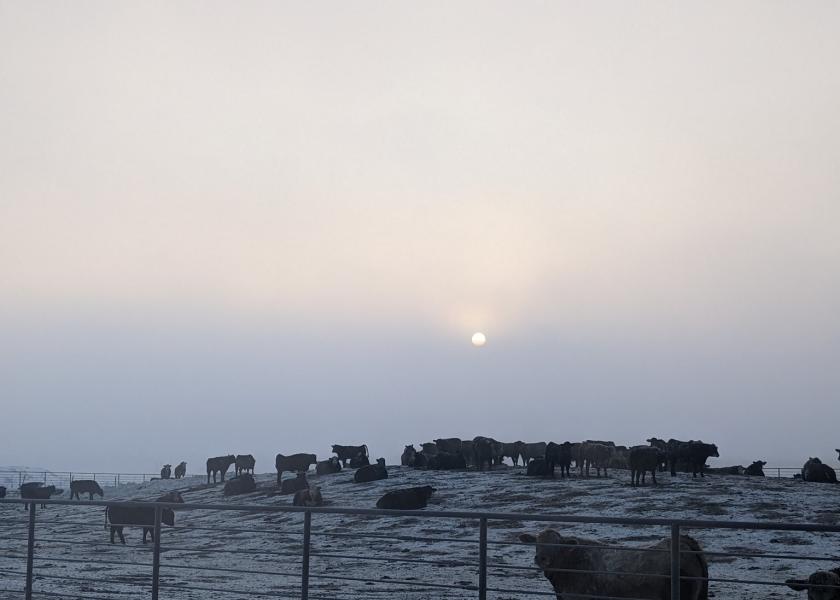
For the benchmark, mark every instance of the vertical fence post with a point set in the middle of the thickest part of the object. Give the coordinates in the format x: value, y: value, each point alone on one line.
x: 304, y: 576
x: 779, y: 472
x: 45, y: 478
x: 675, y: 561
x: 30, y: 551
x: 156, y: 556
x: 482, y: 559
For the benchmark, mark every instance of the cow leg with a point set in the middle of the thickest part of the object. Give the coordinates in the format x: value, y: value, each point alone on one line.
x: 208, y: 477
x: 653, y: 476
x: 673, y: 465
x: 113, y: 530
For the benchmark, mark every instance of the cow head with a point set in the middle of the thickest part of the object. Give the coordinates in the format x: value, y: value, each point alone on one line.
x: 427, y: 491
x: 380, y: 462
x: 814, y: 585
x: 552, y: 549
x: 336, y: 449
x: 713, y: 450
x: 98, y: 490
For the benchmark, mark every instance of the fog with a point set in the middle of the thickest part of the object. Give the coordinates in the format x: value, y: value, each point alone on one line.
x: 271, y: 227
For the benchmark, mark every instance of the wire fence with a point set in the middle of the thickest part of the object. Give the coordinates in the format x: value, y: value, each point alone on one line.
x: 61, y: 479
x: 320, y: 553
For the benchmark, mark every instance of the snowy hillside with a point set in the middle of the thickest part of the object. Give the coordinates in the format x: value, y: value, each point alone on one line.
x: 270, y: 543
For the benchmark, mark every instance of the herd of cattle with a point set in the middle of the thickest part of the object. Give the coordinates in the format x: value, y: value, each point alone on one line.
x: 575, y: 557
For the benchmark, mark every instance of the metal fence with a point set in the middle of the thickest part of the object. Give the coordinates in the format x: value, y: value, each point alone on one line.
x: 62, y: 479
x: 310, y: 566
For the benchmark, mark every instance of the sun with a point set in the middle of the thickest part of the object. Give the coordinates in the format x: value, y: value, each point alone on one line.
x: 479, y: 339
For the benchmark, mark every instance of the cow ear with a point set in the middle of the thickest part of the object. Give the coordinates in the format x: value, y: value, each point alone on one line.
x: 797, y: 584
x: 528, y: 538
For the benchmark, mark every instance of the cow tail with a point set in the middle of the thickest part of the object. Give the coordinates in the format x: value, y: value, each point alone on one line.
x: 107, y: 508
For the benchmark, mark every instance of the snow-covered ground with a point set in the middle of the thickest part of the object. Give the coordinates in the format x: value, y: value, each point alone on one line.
x: 270, y: 544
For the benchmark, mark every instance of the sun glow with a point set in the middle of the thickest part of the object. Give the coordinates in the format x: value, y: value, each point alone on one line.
x: 478, y: 339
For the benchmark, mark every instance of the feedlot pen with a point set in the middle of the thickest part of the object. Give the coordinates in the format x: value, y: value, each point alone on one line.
x: 255, y: 551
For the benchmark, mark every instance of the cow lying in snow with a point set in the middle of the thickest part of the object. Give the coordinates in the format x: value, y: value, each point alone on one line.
x: 821, y: 585
x: 308, y: 497
x: 243, y: 484
x: 328, y: 467
x: 413, y: 498
x: 561, y: 557
x: 371, y: 472
x: 85, y: 486
x: 816, y: 471
x: 290, y: 486
x: 141, y: 516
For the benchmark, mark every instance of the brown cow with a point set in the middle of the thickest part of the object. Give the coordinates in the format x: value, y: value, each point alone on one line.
x: 578, y: 566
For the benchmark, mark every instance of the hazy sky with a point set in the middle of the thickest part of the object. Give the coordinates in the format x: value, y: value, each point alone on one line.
x: 269, y: 227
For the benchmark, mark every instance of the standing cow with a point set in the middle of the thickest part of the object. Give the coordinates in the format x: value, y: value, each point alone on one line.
x: 512, y: 450
x: 408, y: 456
x: 693, y: 453
x: 85, y: 486
x: 181, y: 470
x: 245, y: 463
x: 166, y: 472
x: 482, y: 452
x: 293, y: 462
x: 642, y: 460
x: 558, y: 454
x: 219, y: 464
x: 533, y: 450
x: 450, y: 445
x: 348, y: 453
x: 140, y: 516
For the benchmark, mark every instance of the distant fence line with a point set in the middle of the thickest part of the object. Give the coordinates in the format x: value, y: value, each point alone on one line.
x: 62, y: 479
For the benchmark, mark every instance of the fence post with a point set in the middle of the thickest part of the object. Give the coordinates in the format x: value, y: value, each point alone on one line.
x: 30, y: 551
x: 304, y: 576
x: 779, y: 472
x: 675, y: 561
x: 45, y: 478
x: 156, y: 556
x: 482, y: 559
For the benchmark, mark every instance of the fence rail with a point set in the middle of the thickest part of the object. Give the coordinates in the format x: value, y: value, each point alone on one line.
x: 154, y: 584
x: 62, y: 479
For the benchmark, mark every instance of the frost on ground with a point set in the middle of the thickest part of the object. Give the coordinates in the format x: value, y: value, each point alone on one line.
x: 258, y: 554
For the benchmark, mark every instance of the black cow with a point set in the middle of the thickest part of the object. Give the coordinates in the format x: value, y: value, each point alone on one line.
x: 166, y: 472
x: 537, y: 468
x: 294, y: 462
x: 467, y: 452
x: 35, y: 490
x: 371, y: 472
x: 693, y: 453
x: 408, y: 456
x: 756, y: 469
x: 482, y: 448
x: 290, y: 486
x: 559, y: 454
x: 219, y: 464
x: 85, y: 486
x: 642, y: 460
x: 328, y: 467
x: 308, y: 497
x: 245, y: 463
x: 821, y: 585
x: 444, y: 461
x: 429, y: 448
x: 241, y: 484
x: 421, y: 460
x: 513, y: 451
x: 359, y: 461
x: 140, y: 516
x: 816, y: 471
x: 413, y: 498
x: 346, y: 453
x: 451, y: 445
x: 662, y: 445
x: 181, y: 470
x: 2, y: 491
